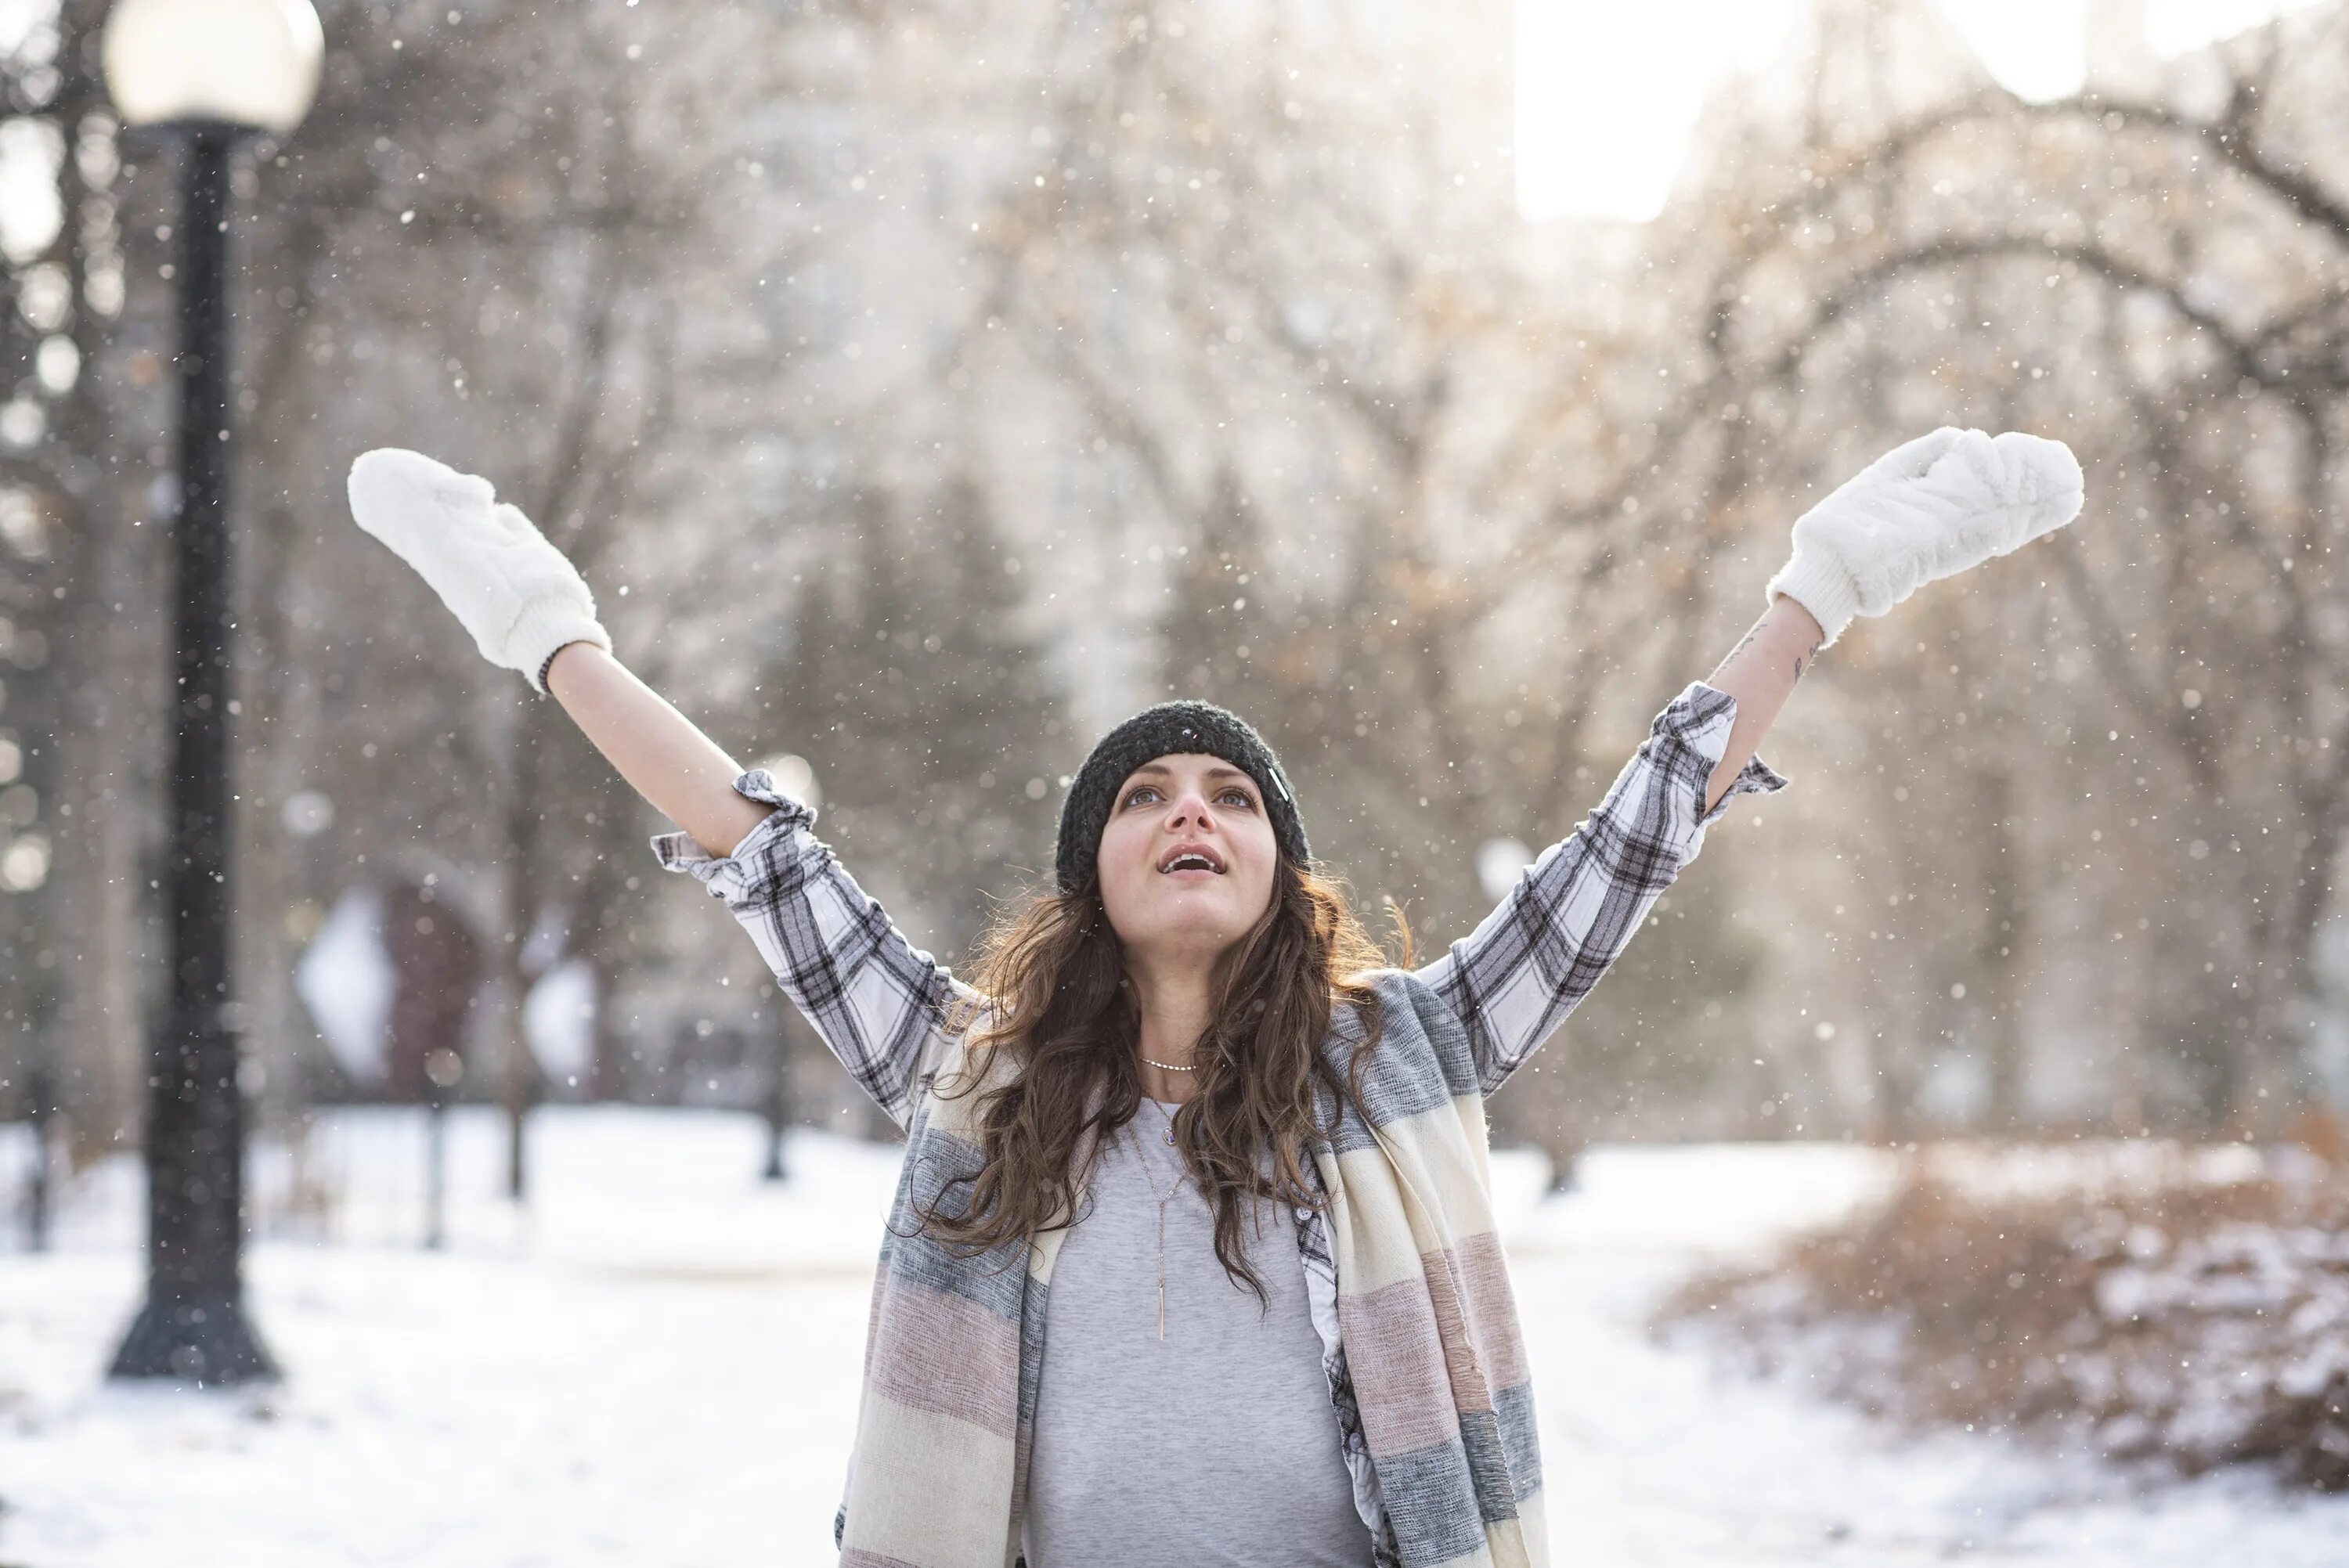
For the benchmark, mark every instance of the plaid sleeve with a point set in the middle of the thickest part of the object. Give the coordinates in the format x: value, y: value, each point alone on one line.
x: 1515, y: 978
x: 879, y: 1002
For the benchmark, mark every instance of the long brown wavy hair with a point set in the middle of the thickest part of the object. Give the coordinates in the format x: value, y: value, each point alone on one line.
x: 1053, y: 974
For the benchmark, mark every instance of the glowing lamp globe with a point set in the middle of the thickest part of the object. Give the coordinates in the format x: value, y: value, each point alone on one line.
x: 248, y: 62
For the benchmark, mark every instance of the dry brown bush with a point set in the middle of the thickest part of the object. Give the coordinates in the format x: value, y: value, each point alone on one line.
x: 2191, y: 1322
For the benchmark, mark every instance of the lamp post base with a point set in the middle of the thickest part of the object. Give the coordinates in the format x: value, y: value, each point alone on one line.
x: 207, y: 1341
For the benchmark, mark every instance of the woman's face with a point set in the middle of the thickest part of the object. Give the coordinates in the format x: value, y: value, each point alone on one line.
x: 1186, y: 858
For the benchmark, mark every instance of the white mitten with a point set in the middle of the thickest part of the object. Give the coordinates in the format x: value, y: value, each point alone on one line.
x: 513, y: 591
x: 1927, y: 509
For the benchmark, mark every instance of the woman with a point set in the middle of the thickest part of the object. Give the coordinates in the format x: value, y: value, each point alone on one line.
x: 1192, y: 1258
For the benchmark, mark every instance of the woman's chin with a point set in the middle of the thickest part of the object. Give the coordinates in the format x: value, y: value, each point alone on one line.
x: 1186, y: 924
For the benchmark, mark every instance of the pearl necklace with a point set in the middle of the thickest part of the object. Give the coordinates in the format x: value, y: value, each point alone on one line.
x: 1170, y: 1066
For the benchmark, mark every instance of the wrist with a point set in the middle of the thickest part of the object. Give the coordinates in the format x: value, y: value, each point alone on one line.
x: 547, y: 676
x: 1795, y: 608
x: 1822, y: 587
x: 544, y: 630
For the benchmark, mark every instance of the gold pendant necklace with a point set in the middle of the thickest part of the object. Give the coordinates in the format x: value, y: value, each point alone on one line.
x: 1144, y: 1158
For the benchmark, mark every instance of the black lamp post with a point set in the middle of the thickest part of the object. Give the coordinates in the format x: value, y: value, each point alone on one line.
x: 210, y: 74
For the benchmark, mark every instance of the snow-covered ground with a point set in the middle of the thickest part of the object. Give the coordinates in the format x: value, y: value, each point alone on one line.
x: 657, y: 1366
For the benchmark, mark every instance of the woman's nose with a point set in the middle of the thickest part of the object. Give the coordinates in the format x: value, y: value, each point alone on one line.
x: 1191, y: 811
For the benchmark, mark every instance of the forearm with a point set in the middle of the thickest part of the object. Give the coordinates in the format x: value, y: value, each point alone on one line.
x: 1761, y: 672
x: 686, y: 775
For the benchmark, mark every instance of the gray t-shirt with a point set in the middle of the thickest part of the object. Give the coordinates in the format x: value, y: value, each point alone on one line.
x: 1219, y: 1444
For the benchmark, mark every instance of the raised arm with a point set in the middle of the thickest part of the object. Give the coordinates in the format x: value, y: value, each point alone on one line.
x: 524, y: 604
x: 1928, y: 507
x: 1557, y: 930
x: 879, y: 1003
x: 1761, y: 672
x: 686, y: 776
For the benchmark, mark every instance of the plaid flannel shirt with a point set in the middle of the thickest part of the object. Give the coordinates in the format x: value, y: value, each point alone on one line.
x: 877, y: 1001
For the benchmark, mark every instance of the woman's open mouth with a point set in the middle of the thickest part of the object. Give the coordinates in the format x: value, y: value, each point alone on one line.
x: 1192, y: 858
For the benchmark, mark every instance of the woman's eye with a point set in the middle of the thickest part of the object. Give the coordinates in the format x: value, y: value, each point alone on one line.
x: 1235, y: 796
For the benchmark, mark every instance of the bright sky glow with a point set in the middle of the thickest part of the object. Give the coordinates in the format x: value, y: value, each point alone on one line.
x: 1606, y: 93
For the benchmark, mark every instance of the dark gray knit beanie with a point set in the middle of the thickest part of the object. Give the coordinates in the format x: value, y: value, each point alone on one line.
x: 1162, y: 731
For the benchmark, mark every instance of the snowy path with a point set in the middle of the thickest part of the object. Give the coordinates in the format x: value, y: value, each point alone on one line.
x: 662, y: 1371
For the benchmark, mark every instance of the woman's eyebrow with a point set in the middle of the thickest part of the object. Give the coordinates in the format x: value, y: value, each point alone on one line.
x: 1161, y: 770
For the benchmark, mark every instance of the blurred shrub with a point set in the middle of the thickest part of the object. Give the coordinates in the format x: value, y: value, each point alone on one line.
x: 2194, y: 1314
